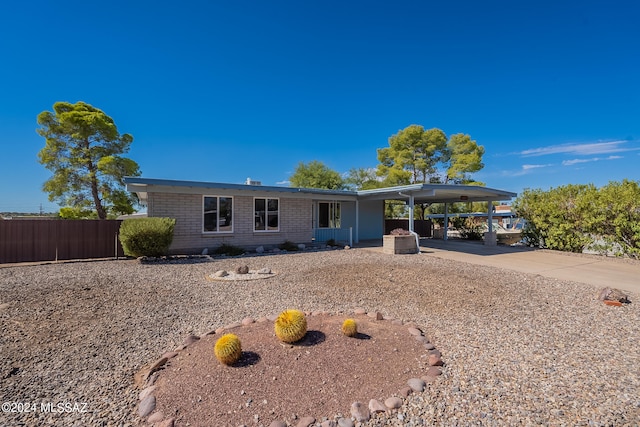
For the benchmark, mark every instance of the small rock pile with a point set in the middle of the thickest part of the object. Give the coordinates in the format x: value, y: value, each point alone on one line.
x: 242, y: 272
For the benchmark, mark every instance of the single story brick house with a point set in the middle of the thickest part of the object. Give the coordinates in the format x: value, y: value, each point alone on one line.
x: 209, y: 214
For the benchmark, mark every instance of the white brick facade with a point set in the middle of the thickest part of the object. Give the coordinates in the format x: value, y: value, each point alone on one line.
x: 295, y: 220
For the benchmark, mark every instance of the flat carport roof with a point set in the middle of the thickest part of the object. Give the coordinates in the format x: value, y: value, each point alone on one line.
x: 437, y: 193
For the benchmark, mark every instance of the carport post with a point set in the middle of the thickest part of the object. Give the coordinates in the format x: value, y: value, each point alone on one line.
x: 490, y: 216
x: 490, y: 235
x: 412, y: 203
x: 411, y: 211
x: 446, y: 221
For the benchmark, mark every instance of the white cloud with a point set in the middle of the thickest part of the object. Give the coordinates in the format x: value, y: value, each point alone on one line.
x: 580, y: 149
x: 285, y: 182
x: 576, y: 161
x: 593, y: 159
x: 526, y: 169
x: 529, y: 167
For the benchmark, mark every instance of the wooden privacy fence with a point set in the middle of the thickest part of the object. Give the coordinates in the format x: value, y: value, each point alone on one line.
x: 423, y: 227
x: 50, y: 240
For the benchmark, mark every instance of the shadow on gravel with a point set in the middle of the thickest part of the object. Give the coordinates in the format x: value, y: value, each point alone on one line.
x: 248, y: 358
x: 361, y: 336
x: 311, y: 338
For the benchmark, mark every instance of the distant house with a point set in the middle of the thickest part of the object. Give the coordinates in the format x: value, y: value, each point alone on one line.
x: 209, y: 214
x: 27, y: 217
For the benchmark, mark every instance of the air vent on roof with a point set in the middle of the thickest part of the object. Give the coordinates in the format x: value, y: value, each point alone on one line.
x: 250, y: 182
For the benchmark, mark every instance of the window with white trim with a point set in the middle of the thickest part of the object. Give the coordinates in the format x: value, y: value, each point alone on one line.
x: 217, y: 214
x: 266, y: 214
x: 328, y: 214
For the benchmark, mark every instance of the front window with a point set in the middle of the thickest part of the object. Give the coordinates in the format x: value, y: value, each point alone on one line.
x: 266, y: 214
x: 217, y: 214
x: 329, y: 215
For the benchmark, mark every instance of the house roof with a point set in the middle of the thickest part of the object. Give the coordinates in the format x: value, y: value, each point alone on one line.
x: 142, y: 186
x: 422, y: 193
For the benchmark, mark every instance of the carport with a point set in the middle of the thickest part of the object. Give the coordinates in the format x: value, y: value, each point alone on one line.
x: 439, y: 193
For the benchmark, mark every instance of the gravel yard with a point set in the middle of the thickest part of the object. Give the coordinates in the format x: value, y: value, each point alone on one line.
x: 519, y: 349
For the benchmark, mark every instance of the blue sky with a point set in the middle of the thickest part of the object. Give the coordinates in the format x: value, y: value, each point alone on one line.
x: 221, y: 91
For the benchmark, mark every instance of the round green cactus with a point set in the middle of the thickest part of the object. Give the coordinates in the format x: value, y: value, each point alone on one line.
x: 349, y: 328
x: 228, y: 349
x: 291, y: 326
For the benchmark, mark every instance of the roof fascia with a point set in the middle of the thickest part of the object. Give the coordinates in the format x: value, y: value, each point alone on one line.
x: 148, y: 185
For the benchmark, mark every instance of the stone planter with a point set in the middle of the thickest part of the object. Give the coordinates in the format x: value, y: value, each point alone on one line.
x: 399, y: 244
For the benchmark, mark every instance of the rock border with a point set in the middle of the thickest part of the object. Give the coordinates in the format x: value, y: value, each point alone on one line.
x: 174, y: 259
x: 146, y: 377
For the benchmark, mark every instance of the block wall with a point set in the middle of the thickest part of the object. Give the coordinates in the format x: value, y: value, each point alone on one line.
x: 295, y: 222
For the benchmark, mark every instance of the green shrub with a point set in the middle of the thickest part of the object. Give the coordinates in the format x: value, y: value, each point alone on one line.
x: 558, y: 218
x: 469, y: 229
x: 229, y: 250
x: 289, y: 246
x: 146, y: 236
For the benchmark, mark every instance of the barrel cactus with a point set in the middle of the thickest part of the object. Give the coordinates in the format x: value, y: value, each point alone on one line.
x: 291, y: 326
x: 349, y: 328
x: 228, y: 349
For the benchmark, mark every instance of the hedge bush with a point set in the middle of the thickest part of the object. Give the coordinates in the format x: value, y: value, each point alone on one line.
x: 574, y: 217
x: 289, y: 246
x: 229, y: 250
x: 146, y: 236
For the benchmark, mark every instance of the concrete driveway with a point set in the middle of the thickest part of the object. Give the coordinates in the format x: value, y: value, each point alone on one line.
x: 592, y: 269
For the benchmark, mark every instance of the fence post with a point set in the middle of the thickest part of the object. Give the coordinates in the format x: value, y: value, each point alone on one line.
x: 116, y: 246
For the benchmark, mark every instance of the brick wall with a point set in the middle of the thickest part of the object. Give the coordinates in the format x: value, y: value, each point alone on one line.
x: 295, y: 222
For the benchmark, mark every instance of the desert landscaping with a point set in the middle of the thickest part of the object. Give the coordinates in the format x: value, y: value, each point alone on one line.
x: 517, y: 349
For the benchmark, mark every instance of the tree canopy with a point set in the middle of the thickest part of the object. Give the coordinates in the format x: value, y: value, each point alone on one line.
x: 363, y: 179
x: 418, y: 155
x: 316, y: 174
x: 84, y: 150
x: 465, y: 157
